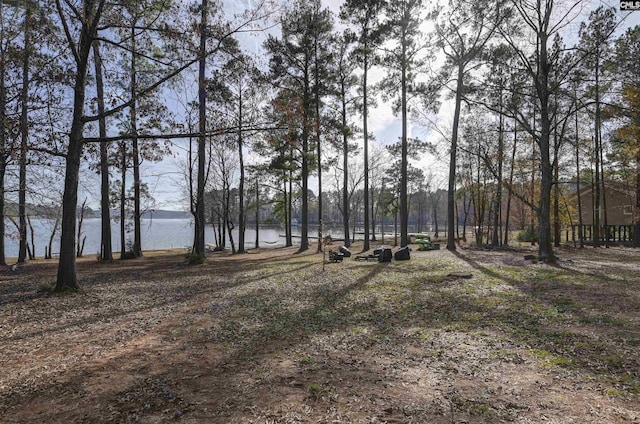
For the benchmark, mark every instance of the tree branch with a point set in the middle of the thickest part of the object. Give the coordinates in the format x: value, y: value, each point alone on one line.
x: 220, y: 131
x: 67, y: 33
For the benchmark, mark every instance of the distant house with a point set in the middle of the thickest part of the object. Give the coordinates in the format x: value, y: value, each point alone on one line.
x: 620, y: 201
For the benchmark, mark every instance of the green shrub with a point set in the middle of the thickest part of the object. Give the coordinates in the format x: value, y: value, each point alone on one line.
x: 529, y: 234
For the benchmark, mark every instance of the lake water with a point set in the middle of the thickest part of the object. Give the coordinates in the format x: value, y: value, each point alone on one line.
x: 156, y: 234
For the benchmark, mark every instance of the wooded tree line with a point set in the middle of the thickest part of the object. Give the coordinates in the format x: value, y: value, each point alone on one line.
x: 540, y: 110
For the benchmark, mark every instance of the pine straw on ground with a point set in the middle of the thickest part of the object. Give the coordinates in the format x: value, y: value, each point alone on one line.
x: 269, y: 337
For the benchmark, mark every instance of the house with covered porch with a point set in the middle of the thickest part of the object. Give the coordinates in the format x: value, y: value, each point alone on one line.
x: 616, y: 212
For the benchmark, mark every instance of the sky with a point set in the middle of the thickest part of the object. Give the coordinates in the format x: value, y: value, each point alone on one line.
x: 166, y: 179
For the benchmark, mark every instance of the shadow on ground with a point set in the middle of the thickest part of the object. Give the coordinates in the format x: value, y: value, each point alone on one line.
x: 275, y: 339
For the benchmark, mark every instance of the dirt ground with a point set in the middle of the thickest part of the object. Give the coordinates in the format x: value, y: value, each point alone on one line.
x: 271, y: 337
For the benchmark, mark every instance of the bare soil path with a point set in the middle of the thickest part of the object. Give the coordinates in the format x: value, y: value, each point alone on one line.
x: 268, y: 337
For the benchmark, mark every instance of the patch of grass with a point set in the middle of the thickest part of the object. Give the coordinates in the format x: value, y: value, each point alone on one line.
x: 615, y: 392
x: 630, y: 341
x: 565, y: 304
x: 631, y: 383
x: 308, y: 360
x: 602, y: 319
x: 438, y: 353
x: 46, y: 288
x: 315, y: 391
x: 51, y: 288
x: 469, y: 290
x: 194, y: 258
x: 549, y: 359
x: 64, y: 290
x: 623, y: 385
x: 508, y: 356
x: 422, y: 334
x: 614, y: 361
x: 474, y: 407
x: 480, y: 409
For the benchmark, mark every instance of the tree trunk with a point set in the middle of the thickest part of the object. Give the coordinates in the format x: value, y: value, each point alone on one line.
x: 80, y: 247
x: 49, y: 254
x: 287, y: 216
x: 545, y: 247
x: 32, y: 253
x: 382, y: 209
x: 395, y: 228
x: 636, y: 221
x: 304, y: 225
x: 435, y: 221
x: 451, y: 192
x: 3, y: 153
x: 24, y: 137
x: 365, y: 111
x: 497, y: 213
x: 222, y: 232
x: 466, y: 205
x: 106, y: 249
x: 216, y: 233
x: 231, y: 240
x: 318, y: 147
x: 67, y: 277
x: 3, y: 169
x: 198, y: 238
x: 289, y: 206
x: 597, y: 147
x: 84, y: 239
x: 457, y: 204
x: 533, y: 172
x: 137, y: 232
x: 372, y: 222
x: 513, y: 162
x: 345, y: 171
x: 556, y: 178
x: 227, y: 215
x: 478, y: 207
x: 556, y: 206
x: 257, y: 214
x: 123, y: 202
x: 353, y: 234
x: 404, y: 204
x: 604, y: 192
x: 580, y: 223
x: 241, y: 218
